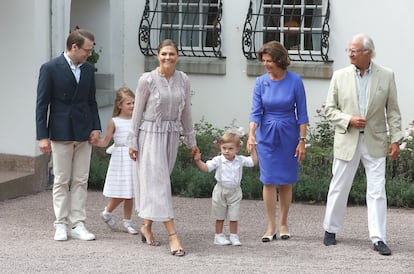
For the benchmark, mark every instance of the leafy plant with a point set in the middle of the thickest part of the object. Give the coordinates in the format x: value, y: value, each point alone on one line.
x: 98, y: 168
x: 314, y: 172
x: 323, y: 132
x: 94, y: 57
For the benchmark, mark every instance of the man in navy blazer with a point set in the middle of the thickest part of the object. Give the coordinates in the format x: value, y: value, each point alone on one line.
x: 67, y: 124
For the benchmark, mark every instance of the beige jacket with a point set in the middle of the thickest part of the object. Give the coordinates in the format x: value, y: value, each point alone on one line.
x: 383, y: 114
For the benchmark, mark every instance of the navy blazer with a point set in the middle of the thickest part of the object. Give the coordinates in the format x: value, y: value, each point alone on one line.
x: 66, y: 110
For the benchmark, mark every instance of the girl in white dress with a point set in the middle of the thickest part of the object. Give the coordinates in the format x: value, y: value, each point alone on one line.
x: 118, y: 183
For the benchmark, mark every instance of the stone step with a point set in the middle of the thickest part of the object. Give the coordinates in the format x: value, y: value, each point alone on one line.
x: 6, y: 175
x: 15, y: 183
x: 23, y: 175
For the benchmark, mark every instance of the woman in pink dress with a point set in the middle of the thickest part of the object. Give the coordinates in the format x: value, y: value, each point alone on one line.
x: 162, y: 109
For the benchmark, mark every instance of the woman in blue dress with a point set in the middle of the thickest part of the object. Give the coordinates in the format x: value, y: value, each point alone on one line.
x: 277, y: 124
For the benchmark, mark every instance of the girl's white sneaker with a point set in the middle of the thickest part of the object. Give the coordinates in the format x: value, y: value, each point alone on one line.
x: 129, y: 228
x: 107, y: 218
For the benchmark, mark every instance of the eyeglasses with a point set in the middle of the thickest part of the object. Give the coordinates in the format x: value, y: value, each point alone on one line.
x: 355, y: 51
x: 87, y: 50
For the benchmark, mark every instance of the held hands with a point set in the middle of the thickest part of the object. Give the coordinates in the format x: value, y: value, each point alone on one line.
x: 94, y: 137
x: 199, y: 163
x: 193, y: 151
x: 197, y: 156
x: 133, y: 154
x: 251, y: 143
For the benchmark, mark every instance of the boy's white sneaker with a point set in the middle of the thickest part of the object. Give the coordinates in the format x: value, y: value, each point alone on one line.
x: 234, y: 239
x: 61, y: 233
x: 220, y: 239
x: 80, y: 232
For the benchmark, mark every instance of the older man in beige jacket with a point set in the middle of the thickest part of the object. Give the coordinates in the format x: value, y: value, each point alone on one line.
x: 362, y: 104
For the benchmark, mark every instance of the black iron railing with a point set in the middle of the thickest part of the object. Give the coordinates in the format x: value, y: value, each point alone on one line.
x: 194, y: 25
x: 299, y: 25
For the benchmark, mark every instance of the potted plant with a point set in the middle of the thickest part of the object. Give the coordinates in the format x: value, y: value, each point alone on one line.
x: 93, y: 58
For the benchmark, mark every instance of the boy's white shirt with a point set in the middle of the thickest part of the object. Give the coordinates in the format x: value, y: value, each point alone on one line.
x: 231, y: 171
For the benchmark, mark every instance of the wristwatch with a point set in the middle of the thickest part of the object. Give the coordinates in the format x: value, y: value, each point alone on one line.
x: 303, y: 139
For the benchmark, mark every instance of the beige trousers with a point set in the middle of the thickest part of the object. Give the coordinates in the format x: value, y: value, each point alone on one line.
x: 71, y: 161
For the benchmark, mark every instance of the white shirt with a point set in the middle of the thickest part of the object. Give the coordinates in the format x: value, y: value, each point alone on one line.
x: 75, y: 69
x: 231, y: 171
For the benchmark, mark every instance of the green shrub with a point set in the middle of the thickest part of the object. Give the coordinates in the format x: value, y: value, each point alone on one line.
x: 359, y: 188
x: 188, y: 181
x: 98, y: 168
x: 314, y: 172
x: 250, y: 184
x: 400, y: 193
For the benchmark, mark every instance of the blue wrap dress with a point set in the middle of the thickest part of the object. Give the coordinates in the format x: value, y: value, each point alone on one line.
x: 278, y: 108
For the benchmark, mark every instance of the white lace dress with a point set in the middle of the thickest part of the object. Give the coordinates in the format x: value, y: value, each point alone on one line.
x: 162, y: 110
x: 118, y: 182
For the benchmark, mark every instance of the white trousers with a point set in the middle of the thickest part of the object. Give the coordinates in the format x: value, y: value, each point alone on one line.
x: 71, y: 161
x: 341, y: 183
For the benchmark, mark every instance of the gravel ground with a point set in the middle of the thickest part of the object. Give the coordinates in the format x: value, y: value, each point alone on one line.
x: 27, y: 245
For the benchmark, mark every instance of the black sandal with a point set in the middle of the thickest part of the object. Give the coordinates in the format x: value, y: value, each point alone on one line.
x: 144, y: 239
x: 178, y: 252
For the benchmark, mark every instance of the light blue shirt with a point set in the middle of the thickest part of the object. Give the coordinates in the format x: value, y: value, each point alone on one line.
x: 363, y: 88
x: 75, y: 69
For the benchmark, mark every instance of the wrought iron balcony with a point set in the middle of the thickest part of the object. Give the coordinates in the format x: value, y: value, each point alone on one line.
x: 194, y: 25
x: 299, y: 25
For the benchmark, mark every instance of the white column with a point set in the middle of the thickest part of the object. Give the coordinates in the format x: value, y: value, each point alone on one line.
x: 60, y: 25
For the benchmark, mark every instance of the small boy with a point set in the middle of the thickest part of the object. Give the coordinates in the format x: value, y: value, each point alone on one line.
x: 227, y: 193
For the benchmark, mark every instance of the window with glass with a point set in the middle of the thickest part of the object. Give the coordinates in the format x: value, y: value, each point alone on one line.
x: 300, y: 25
x: 195, y: 25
